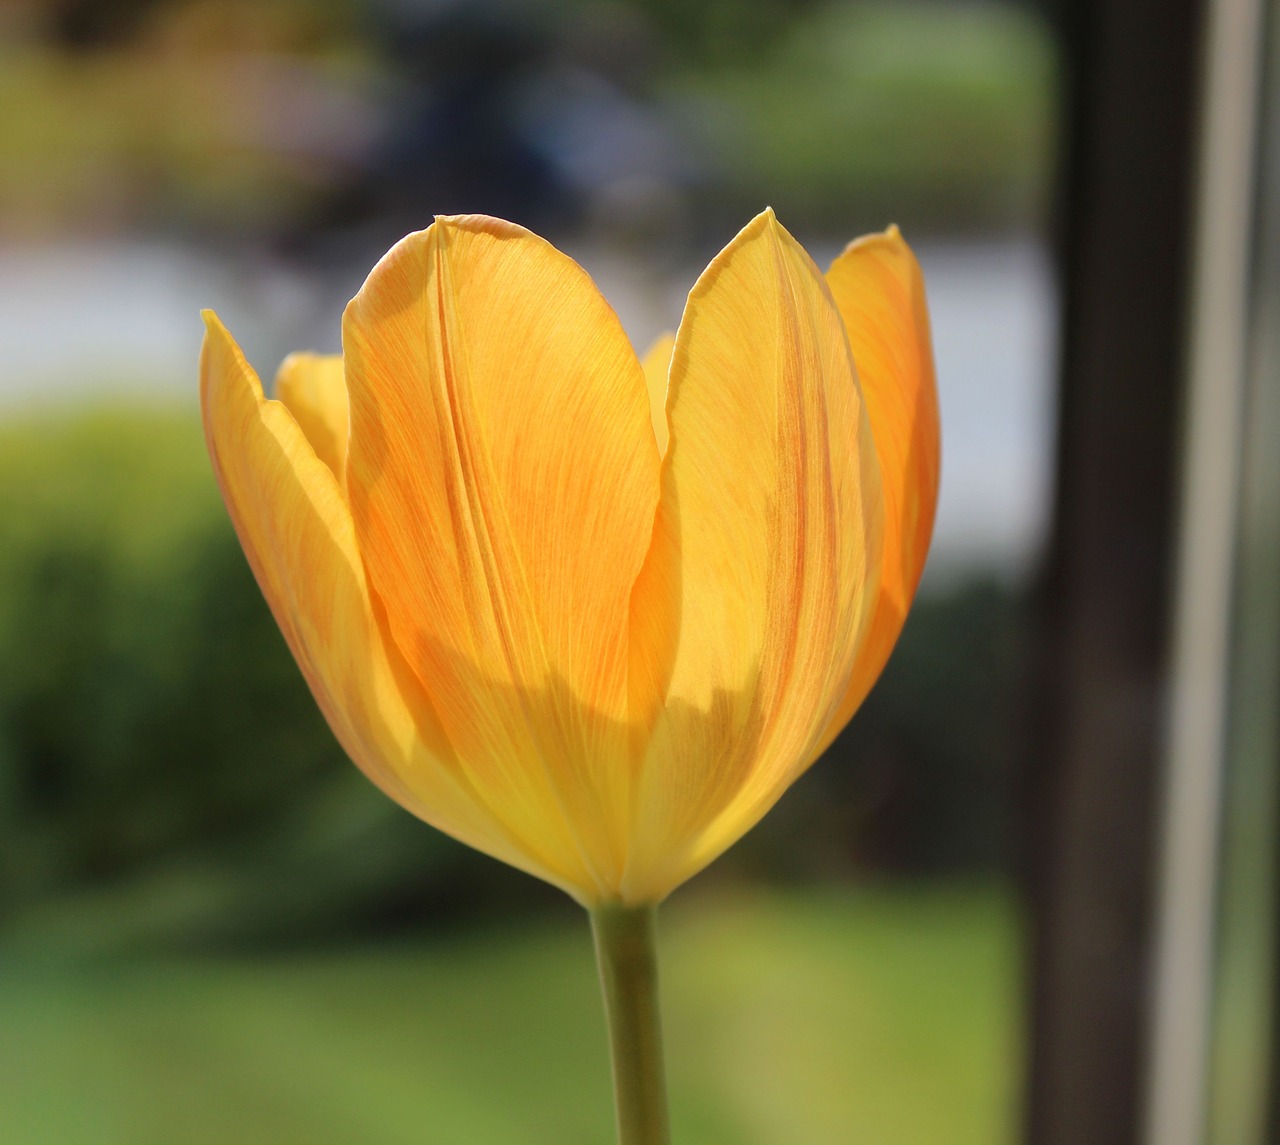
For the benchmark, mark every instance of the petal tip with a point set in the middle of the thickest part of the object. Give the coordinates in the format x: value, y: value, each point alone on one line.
x: 889, y: 239
x: 479, y: 224
x: 222, y: 362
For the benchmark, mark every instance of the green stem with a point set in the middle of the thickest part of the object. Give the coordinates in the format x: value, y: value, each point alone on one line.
x: 627, y: 957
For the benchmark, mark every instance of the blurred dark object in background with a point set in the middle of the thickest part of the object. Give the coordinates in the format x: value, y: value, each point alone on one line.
x: 1154, y: 679
x: 520, y: 111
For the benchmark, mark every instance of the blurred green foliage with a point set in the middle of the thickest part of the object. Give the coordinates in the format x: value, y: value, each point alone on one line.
x: 134, y: 659
x: 164, y: 772
x: 162, y: 114
x: 716, y: 32
x: 166, y: 778
x: 932, y: 114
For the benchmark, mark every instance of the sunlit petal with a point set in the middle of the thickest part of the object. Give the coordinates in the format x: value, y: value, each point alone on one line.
x: 503, y: 477
x: 878, y: 286
x: 298, y: 536
x: 314, y: 389
x: 767, y: 552
x: 657, y: 364
x: 588, y: 613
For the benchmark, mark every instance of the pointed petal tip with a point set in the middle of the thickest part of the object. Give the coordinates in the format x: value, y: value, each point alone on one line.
x: 212, y: 323
x: 768, y: 219
x: 764, y: 220
x: 890, y: 237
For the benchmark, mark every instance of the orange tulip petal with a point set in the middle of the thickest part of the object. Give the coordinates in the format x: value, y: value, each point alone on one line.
x: 312, y: 386
x: 879, y: 288
x: 766, y: 552
x: 503, y: 477
x: 657, y: 365
x: 298, y: 535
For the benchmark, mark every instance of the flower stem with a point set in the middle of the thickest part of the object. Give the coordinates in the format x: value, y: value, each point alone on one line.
x: 627, y: 958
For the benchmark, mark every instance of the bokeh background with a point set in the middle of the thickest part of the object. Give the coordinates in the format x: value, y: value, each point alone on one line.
x: 212, y: 928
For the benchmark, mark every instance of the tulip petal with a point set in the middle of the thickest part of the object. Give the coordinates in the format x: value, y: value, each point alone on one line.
x: 503, y: 478
x: 657, y: 365
x: 771, y: 512
x: 312, y: 386
x: 879, y: 288
x: 298, y: 535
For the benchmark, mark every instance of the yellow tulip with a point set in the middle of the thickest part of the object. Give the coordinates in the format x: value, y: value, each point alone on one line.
x: 589, y: 614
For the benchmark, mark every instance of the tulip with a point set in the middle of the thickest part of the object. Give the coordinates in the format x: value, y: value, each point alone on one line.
x: 588, y: 613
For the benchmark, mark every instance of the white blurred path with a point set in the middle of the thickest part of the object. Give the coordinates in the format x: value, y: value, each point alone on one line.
x: 80, y: 323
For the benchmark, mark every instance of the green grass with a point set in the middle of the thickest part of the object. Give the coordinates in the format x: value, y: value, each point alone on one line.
x: 886, y: 1017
